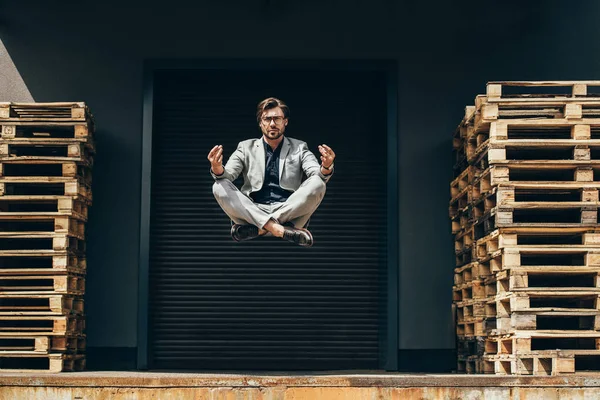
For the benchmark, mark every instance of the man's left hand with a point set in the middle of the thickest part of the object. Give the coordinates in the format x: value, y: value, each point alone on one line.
x: 327, y: 156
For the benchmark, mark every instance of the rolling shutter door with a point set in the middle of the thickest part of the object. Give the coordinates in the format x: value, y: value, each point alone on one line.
x: 266, y: 304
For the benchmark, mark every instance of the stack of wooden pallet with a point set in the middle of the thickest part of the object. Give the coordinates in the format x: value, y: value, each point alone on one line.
x: 46, y: 152
x: 524, y: 212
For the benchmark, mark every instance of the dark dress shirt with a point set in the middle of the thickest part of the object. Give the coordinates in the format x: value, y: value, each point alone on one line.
x: 271, y: 192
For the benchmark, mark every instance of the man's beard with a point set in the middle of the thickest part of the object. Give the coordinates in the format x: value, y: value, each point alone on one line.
x: 274, y: 135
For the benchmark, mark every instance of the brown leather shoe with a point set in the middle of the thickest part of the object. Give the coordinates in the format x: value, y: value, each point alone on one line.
x: 240, y: 233
x: 301, y: 237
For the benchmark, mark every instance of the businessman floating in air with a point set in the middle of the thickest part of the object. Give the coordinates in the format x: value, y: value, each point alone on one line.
x: 273, y: 197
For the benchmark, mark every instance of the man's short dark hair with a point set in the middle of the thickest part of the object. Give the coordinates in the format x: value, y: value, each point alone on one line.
x: 269, y: 103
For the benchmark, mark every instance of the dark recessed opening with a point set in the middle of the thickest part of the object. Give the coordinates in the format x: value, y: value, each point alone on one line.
x: 563, y: 343
x: 26, y: 324
x: 563, y: 302
x: 25, y: 244
x: 28, y: 206
x: 13, y: 343
x: 26, y: 226
x: 572, y: 215
x: 41, y: 363
x: 562, y: 280
x: 549, y: 239
x: 538, y: 133
x: 536, y: 91
x: 542, y: 174
x: 32, y: 169
x: 587, y: 363
x: 595, y: 153
x: 551, y: 322
x: 46, y: 132
x: 39, y: 151
x: 24, y: 304
x: 526, y: 153
x: 25, y: 262
x: 24, y: 189
x: 525, y: 195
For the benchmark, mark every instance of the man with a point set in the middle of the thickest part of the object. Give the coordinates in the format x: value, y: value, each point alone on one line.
x: 273, y: 198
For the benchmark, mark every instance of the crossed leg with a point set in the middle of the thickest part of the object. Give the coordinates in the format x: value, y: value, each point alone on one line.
x: 297, y: 209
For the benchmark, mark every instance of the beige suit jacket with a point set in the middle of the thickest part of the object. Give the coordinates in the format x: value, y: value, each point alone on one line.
x: 249, y: 160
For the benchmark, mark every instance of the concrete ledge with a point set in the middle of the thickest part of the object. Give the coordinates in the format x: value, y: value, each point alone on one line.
x: 251, y: 380
x: 195, y: 386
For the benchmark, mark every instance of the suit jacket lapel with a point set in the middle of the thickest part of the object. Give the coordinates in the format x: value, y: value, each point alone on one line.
x: 285, y: 148
x: 260, y: 154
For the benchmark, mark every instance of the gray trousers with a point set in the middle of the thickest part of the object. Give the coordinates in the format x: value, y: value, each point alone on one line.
x: 297, y: 209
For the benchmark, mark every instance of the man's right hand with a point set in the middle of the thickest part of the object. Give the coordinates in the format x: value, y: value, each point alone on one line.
x: 216, y: 160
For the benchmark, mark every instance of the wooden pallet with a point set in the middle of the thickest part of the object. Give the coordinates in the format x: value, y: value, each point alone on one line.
x: 471, y: 346
x: 464, y: 240
x: 469, y: 291
x: 42, y: 241
x: 535, y: 197
x: 458, y: 205
x: 17, y: 150
x: 523, y: 237
x: 463, y: 258
x: 553, y: 175
x: 461, y: 221
x: 547, y: 363
x: 41, y: 304
x: 574, y: 89
x: 489, y: 112
x: 46, y: 168
x: 541, y: 320
x: 43, y: 344
x: 48, y: 325
x: 576, y: 310
x: 24, y: 225
x: 470, y: 327
x: 528, y: 99
x: 42, y: 284
x: 42, y: 206
x: 36, y: 363
x: 566, y: 217
x: 458, y: 149
x: 39, y: 112
x: 41, y: 262
x: 568, y: 280
x: 470, y: 365
x: 526, y: 342
x: 543, y: 257
x: 467, y: 177
x: 45, y: 186
x: 461, y: 202
x: 544, y: 300
x: 460, y: 165
x: 535, y: 117
x: 536, y: 152
x: 78, y: 131
x: 47, y: 146
x: 470, y: 308
x: 576, y: 124
x: 470, y: 272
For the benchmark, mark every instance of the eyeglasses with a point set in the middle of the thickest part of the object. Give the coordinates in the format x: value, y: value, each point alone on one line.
x: 267, y: 120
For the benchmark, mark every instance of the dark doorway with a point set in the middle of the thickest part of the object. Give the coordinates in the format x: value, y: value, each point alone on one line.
x: 266, y: 304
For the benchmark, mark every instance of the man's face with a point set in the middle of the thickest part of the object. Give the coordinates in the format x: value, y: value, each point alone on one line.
x: 273, y: 123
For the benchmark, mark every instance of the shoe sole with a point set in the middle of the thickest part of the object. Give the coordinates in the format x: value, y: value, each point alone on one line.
x: 312, y: 241
x: 233, y: 232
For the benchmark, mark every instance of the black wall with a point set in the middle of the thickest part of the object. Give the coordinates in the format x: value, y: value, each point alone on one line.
x: 445, y: 50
